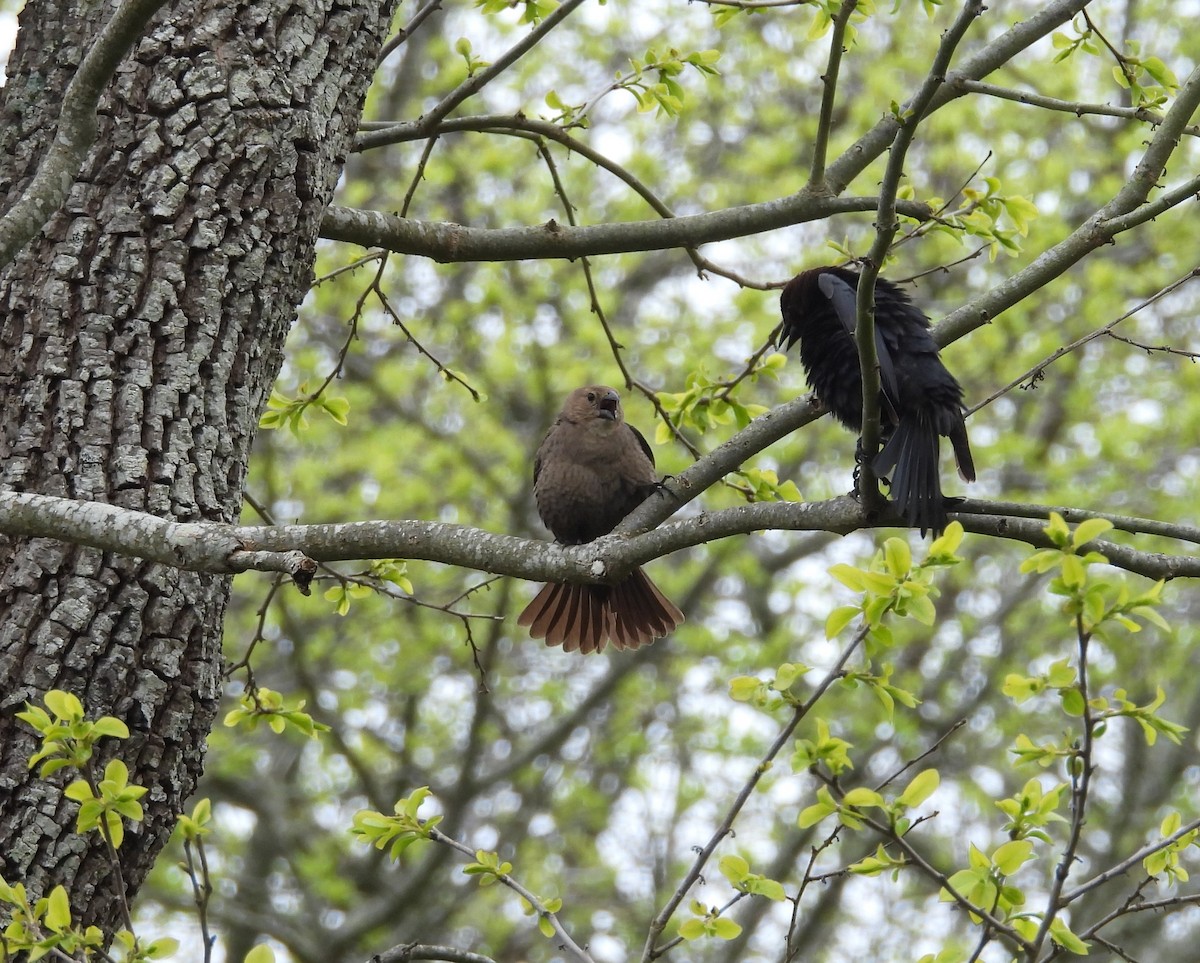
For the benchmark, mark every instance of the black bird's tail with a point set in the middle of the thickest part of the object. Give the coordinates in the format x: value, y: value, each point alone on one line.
x: 910, y: 458
x: 962, y: 451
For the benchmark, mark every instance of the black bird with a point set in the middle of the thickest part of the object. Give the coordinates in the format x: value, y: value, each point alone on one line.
x: 918, y: 399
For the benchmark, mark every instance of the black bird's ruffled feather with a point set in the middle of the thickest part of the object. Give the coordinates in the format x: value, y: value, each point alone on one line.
x: 919, y: 399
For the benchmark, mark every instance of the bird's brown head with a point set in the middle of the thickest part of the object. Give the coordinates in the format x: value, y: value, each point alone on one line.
x: 591, y: 402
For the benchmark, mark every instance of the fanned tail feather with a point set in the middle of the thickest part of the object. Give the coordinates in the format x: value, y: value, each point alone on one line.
x: 630, y: 614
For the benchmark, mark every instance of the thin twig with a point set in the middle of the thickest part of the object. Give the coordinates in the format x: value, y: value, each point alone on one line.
x: 196, y: 868
x: 1035, y: 374
x: 651, y: 951
x: 1129, y: 862
x: 924, y: 755
x: 631, y: 382
x: 482, y: 78
x: 829, y: 79
x: 404, y: 33
x: 1080, y: 766
x: 530, y: 897
x: 1143, y: 114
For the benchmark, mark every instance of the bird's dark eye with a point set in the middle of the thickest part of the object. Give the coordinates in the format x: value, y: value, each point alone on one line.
x: 591, y: 396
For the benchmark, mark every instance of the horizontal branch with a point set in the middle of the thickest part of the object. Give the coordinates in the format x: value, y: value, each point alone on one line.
x: 447, y: 242
x: 454, y: 242
x: 227, y: 549
x: 425, y: 951
x: 1140, y: 114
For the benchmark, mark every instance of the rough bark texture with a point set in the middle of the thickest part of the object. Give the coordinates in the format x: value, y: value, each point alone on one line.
x: 139, y: 337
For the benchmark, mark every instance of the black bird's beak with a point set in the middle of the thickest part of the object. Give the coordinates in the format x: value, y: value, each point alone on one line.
x: 608, y: 405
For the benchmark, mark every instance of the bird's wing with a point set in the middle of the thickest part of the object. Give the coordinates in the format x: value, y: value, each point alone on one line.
x: 642, y: 441
x: 843, y: 299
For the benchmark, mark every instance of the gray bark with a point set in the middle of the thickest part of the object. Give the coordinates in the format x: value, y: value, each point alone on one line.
x: 139, y: 335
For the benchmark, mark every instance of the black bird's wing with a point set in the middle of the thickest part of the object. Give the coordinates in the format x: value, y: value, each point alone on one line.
x: 843, y: 298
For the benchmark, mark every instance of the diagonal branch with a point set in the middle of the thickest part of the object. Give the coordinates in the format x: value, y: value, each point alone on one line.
x: 76, y: 128
x: 1127, y: 209
x: 651, y: 951
x: 477, y: 81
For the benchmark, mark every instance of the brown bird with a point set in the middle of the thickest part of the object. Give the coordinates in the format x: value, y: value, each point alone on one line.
x: 591, y: 470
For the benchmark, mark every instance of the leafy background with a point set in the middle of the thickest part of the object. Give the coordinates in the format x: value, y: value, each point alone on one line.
x: 596, y: 777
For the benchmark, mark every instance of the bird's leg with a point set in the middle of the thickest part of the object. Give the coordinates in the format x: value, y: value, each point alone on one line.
x: 662, y: 488
x: 858, y: 463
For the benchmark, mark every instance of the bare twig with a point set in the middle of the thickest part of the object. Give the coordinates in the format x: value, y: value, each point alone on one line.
x: 196, y: 866
x: 1035, y: 374
x: 837, y: 40
x: 1142, y: 114
x: 405, y: 32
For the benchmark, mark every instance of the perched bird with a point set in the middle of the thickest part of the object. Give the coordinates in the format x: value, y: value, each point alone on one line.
x: 591, y: 470
x: 918, y: 399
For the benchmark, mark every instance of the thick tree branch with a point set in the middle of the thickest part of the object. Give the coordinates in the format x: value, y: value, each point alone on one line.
x: 215, y: 547
x: 76, y: 128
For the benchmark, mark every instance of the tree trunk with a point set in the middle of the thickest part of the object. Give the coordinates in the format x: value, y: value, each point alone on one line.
x: 139, y: 336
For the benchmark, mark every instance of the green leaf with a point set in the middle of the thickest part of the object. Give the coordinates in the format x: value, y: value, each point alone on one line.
x: 733, y: 868
x: 109, y: 726
x: 897, y: 556
x: 1088, y: 530
x: 863, y: 798
x: 726, y: 929
x: 787, y: 674
x: 1010, y: 856
x: 1073, y: 702
x: 79, y: 790
x: 1061, y: 934
x: 262, y: 953
x: 337, y: 408
x: 851, y: 577
x: 58, y: 910
x: 839, y: 618
x: 162, y: 948
x: 922, y: 786
x: 692, y: 929
x: 64, y: 705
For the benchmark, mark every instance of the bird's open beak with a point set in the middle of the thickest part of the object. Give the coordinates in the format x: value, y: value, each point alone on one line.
x: 608, y: 406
